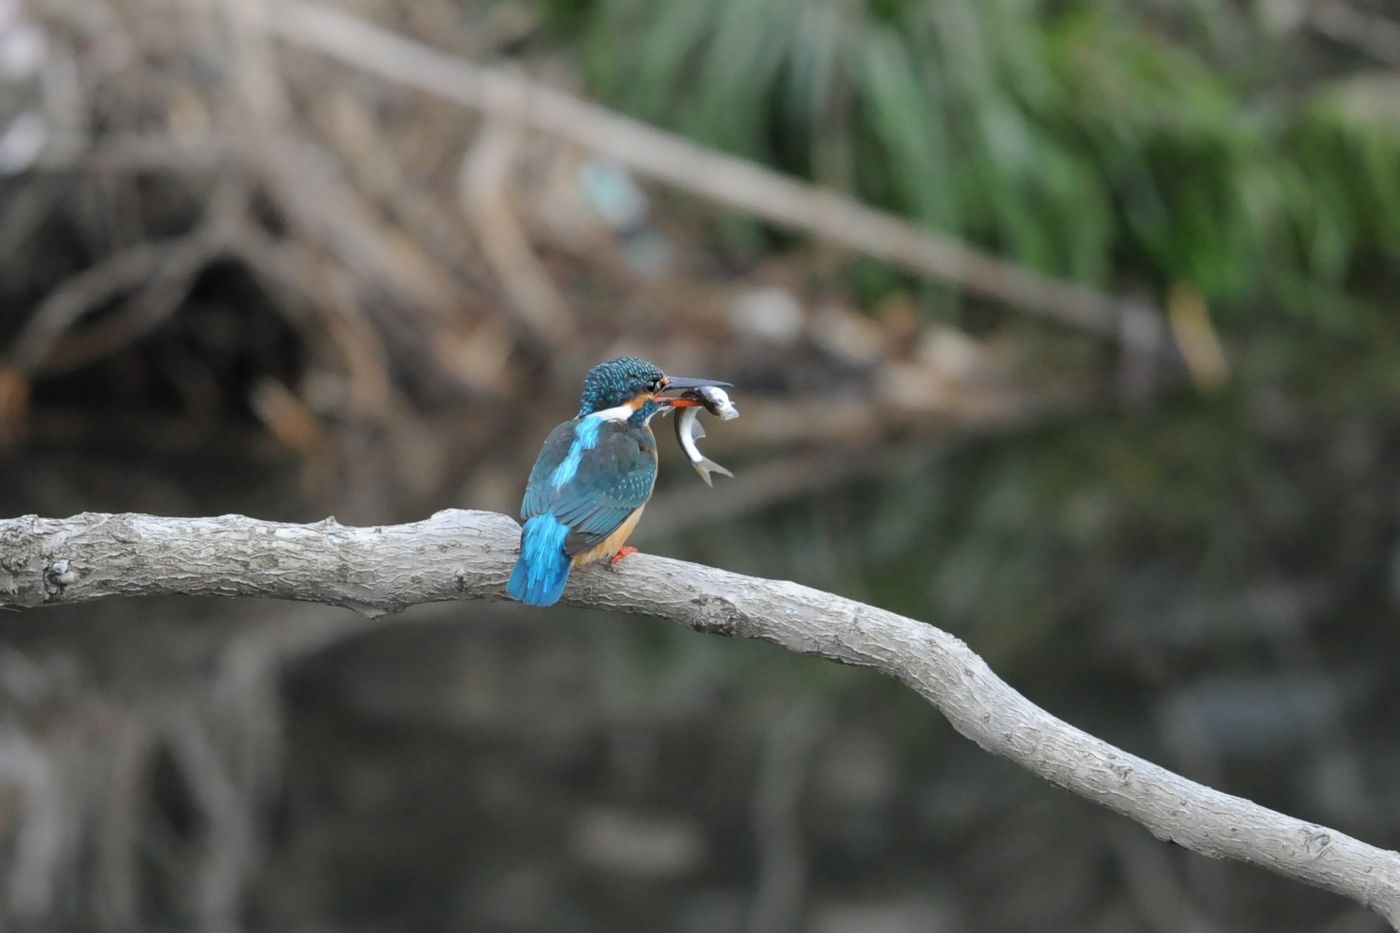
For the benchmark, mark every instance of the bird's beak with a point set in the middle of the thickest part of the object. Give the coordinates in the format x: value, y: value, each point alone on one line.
x: 686, y: 382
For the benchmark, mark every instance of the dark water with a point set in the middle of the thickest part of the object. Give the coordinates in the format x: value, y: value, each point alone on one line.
x: 482, y: 767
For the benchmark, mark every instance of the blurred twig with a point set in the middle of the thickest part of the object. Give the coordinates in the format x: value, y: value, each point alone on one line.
x: 1163, y: 901
x: 132, y: 268
x: 1342, y: 22
x: 1196, y: 336
x: 731, y: 181
x: 482, y: 186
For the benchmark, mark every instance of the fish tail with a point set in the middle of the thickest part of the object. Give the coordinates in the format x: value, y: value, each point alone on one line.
x: 706, y: 466
x: 542, y: 570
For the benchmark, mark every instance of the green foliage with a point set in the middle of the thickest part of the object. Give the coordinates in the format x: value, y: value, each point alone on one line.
x: 1078, y: 137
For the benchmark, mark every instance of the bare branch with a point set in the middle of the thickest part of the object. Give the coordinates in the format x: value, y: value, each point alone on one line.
x: 468, y: 555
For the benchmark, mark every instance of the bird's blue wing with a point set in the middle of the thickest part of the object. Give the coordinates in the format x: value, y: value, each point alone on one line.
x: 592, y: 489
x: 538, y: 490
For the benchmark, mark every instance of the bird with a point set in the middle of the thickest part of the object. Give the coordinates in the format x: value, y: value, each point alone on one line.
x: 593, y: 477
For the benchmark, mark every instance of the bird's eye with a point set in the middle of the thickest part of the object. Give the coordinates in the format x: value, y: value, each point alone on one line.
x: 654, y: 385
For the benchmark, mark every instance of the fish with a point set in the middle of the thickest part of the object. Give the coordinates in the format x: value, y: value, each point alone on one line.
x: 688, y: 430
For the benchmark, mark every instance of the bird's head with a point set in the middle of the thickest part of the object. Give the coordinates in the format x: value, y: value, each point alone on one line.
x: 629, y: 382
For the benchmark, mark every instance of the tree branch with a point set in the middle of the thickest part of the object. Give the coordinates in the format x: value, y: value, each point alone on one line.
x: 468, y: 555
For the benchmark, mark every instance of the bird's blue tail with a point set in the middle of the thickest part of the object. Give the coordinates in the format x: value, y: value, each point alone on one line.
x: 543, y: 567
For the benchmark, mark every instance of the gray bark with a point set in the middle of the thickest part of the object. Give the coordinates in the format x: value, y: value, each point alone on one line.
x: 468, y: 555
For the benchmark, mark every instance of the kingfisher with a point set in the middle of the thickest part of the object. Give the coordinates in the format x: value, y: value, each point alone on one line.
x: 593, y: 477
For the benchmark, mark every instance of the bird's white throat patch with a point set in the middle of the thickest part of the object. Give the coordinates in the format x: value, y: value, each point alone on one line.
x: 620, y: 413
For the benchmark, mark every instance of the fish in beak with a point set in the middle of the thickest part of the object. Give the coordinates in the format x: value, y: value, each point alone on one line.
x: 688, y: 430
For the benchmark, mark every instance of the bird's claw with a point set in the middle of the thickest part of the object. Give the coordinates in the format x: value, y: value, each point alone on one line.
x: 623, y: 552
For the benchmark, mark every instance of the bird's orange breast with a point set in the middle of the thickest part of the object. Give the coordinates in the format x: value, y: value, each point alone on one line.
x: 612, y: 543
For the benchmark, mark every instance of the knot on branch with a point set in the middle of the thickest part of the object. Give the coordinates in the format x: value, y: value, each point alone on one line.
x: 58, y: 576
x: 715, y: 615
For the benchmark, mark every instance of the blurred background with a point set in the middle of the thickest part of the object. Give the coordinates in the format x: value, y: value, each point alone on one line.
x: 294, y: 260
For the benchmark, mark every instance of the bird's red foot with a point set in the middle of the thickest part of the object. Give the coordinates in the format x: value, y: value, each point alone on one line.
x: 612, y: 561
